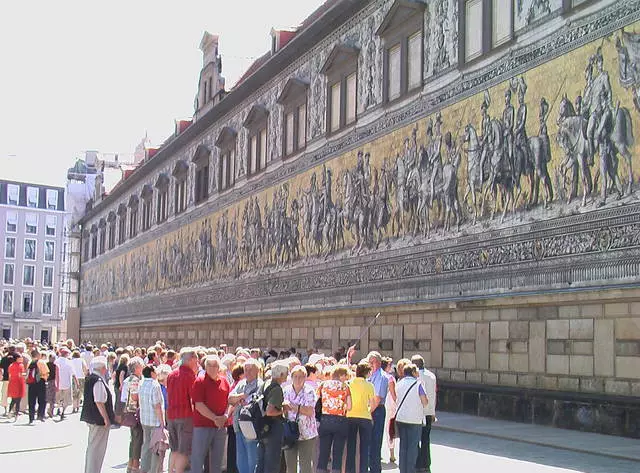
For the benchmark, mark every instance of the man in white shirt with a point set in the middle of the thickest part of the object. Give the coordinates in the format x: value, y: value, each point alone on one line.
x: 428, y: 380
x: 87, y: 354
x: 65, y: 378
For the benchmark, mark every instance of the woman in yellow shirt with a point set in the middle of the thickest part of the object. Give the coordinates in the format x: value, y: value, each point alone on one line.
x: 359, y: 418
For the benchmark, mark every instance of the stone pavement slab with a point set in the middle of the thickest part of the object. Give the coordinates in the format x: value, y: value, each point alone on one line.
x: 19, y: 437
x: 572, y: 440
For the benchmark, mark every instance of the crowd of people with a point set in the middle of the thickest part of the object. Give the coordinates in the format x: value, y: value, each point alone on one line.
x: 325, y: 414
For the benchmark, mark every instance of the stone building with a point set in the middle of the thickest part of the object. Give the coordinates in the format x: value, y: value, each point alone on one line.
x: 33, y: 237
x: 466, y: 168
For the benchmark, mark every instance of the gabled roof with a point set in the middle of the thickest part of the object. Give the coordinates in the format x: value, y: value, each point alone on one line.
x: 111, y: 217
x: 202, y: 152
x: 162, y: 181
x: 147, y: 190
x: 133, y: 201
x: 399, y: 13
x: 341, y: 53
x: 292, y: 88
x: 180, y: 168
x: 122, y: 209
x: 257, y: 113
x: 227, y: 134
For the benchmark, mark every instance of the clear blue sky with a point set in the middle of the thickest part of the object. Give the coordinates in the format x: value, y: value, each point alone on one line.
x: 83, y: 74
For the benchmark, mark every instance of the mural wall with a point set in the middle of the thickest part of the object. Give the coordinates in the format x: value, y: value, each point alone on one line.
x: 556, y: 140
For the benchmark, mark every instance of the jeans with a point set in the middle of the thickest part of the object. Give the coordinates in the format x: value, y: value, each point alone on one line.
x: 231, y: 465
x: 301, y: 453
x: 375, y: 462
x: 37, y: 392
x: 409, y: 437
x: 148, y: 460
x: 424, y: 455
x: 270, y: 450
x: 363, y: 427
x: 333, y: 435
x: 246, y: 453
x: 209, y: 440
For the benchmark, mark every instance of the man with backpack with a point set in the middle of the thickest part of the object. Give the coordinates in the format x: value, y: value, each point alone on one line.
x: 271, y: 437
x: 37, y: 375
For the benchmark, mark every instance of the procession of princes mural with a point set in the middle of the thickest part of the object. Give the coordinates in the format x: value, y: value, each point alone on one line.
x: 557, y: 140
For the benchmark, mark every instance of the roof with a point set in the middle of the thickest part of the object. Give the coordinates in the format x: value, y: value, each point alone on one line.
x: 308, y: 21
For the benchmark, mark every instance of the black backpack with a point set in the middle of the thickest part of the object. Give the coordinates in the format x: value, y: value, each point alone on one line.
x: 252, y: 419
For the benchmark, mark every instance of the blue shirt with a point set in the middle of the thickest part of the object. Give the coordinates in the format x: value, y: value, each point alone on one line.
x: 380, y: 384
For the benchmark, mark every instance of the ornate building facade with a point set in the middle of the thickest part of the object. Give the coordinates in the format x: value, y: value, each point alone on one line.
x: 464, y: 167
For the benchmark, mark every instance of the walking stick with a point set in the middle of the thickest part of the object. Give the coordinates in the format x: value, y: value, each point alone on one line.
x: 364, y: 331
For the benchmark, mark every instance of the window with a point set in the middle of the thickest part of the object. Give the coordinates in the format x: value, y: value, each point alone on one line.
x: 102, y: 237
x: 27, y: 302
x: 201, y: 186
x: 28, y: 275
x: 32, y: 196
x: 162, y: 205
x: 133, y: 222
x: 486, y: 24
x: 51, y: 223
x: 47, y: 298
x: 180, y: 172
x: 341, y: 72
x: 226, y: 142
x: 146, y: 213
x: 31, y: 223
x: 52, y: 199
x: 112, y: 231
x: 49, y: 250
x: 401, y: 33
x: 181, y: 195
x: 94, y: 242
x: 86, y: 242
x: 294, y: 100
x: 122, y: 226
x: 13, y: 194
x: 8, y: 273
x: 10, y: 247
x: 30, y: 250
x: 47, y: 280
x: 12, y: 221
x: 7, y: 302
x: 256, y: 125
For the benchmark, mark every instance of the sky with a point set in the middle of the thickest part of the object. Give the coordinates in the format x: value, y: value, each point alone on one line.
x: 88, y: 75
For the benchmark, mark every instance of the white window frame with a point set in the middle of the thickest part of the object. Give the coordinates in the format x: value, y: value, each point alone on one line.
x: 28, y: 217
x: 13, y: 274
x: 33, y: 296
x: 16, y: 191
x: 13, y: 301
x: 30, y: 192
x: 48, y: 220
x: 15, y: 248
x: 24, y: 275
x: 52, y: 199
x: 35, y: 249
x: 44, y: 276
x: 12, y: 213
x: 50, y: 294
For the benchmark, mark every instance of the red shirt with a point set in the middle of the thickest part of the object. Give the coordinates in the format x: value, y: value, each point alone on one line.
x: 214, y: 395
x: 179, y: 384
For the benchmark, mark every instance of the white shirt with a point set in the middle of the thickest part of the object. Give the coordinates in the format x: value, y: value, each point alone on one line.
x: 428, y: 380
x: 100, y: 392
x: 87, y: 356
x: 410, y: 409
x: 65, y: 372
x: 78, y: 367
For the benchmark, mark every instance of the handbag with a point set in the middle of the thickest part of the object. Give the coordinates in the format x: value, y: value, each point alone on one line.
x: 291, y: 431
x: 130, y: 418
x: 392, y: 421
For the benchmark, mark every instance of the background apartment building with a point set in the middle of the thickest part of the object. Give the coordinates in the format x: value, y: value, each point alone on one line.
x: 32, y: 219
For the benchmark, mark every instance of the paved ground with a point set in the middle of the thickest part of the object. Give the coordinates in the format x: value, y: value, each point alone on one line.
x: 59, y: 447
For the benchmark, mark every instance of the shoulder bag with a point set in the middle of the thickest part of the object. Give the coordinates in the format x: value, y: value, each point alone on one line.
x: 291, y: 431
x: 392, y: 421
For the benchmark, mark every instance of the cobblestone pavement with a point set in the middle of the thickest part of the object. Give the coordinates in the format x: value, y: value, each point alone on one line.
x: 59, y: 447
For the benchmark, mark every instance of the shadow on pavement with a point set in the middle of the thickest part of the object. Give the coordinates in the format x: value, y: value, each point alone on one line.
x: 583, y: 462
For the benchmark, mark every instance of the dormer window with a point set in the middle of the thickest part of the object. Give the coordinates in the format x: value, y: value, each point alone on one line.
x: 162, y: 203
x: 133, y: 216
x: 112, y: 230
x: 102, y: 236
x: 122, y: 223
x: 256, y: 125
x: 94, y: 241
x: 86, y: 243
x: 341, y: 70
x: 226, y: 144
x: 294, y: 102
x: 147, y: 200
x: 401, y: 33
x: 180, y: 172
x: 201, y: 159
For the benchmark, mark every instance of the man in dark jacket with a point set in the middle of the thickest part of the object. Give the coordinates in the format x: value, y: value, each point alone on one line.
x: 97, y: 412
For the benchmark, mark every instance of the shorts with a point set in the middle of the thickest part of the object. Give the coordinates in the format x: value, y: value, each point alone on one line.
x: 64, y: 397
x: 180, y: 435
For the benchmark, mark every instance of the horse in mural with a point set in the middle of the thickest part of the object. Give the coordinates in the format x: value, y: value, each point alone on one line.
x: 572, y: 138
x: 477, y: 173
x: 501, y: 176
